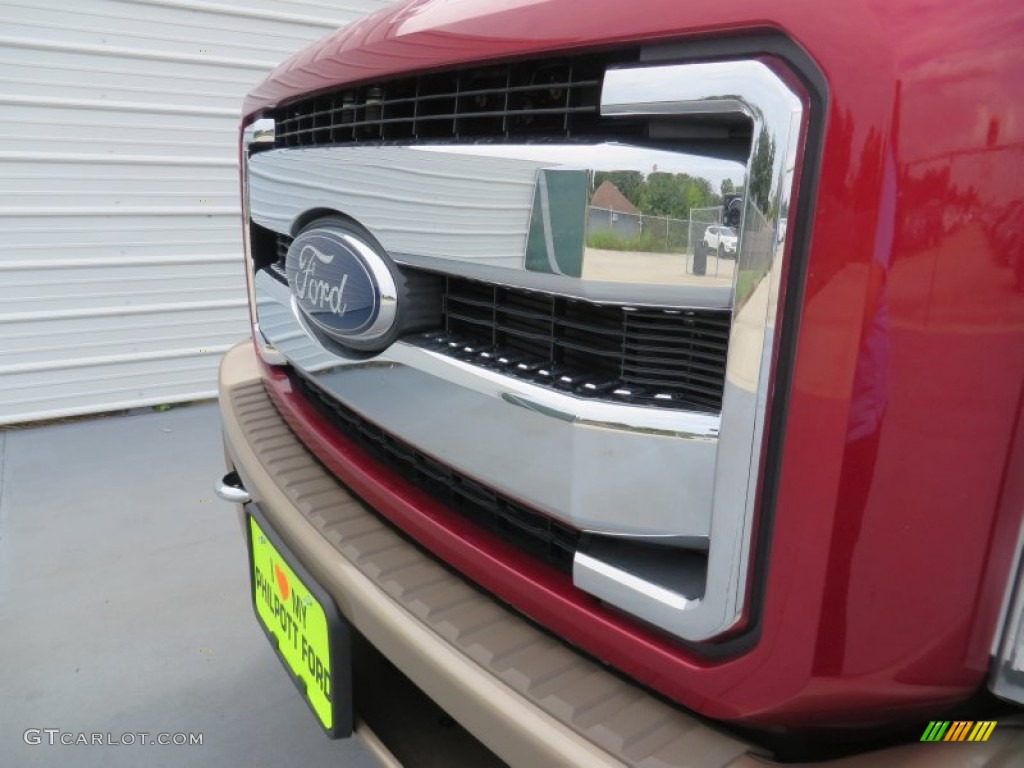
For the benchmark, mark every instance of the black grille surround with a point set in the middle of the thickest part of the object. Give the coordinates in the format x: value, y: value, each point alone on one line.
x: 533, y: 532
x: 549, y: 98
x: 655, y: 357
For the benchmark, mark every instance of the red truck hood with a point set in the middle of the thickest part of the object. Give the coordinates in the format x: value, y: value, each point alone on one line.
x: 430, y: 34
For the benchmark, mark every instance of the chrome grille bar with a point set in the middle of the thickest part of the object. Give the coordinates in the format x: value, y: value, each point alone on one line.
x: 659, y: 357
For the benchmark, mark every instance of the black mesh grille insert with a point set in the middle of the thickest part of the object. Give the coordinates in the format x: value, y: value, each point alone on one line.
x: 531, y: 531
x: 658, y: 357
x: 556, y: 98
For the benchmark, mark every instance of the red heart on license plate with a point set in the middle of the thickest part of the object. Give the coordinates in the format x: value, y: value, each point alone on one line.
x: 282, y: 582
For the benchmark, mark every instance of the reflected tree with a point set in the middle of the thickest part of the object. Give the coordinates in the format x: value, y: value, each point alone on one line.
x: 762, y: 171
x: 629, y: 183
x: 674, y: 194
x: 660, y: 193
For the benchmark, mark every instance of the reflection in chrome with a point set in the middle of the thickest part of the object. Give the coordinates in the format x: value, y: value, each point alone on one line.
x: 571, y: 454
x: 259, y: 134
x: 518, y: 215
x: 621, y: 587
x: 486, y: 212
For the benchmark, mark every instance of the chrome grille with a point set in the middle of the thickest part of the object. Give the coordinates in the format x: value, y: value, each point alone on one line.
x: 555, y: 98
x: 459, y: 197
x: 533, y: 532
x: 668, y: 358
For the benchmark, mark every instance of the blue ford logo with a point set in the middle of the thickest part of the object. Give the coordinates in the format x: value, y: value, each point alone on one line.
x: 343, y: 285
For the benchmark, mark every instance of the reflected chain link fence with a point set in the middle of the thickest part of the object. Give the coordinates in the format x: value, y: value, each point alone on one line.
x: 620, y: 231
x: 702, y: 262
x: 617, y: 230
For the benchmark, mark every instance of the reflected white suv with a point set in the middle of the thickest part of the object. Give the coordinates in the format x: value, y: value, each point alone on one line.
x: 721, y: 239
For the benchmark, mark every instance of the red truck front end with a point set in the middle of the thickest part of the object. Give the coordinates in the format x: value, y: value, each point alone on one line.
x: 510, y: 414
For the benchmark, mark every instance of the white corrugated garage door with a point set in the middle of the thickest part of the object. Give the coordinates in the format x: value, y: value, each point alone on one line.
x: 120, y: 266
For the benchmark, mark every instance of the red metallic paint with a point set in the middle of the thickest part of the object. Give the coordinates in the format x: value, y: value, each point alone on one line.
x: 899, y: 496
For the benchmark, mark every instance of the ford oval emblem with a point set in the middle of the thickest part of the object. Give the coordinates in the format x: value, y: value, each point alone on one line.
x: 343, y: 285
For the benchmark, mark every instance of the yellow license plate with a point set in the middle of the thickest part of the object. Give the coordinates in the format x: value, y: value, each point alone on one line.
x: 304, y: 627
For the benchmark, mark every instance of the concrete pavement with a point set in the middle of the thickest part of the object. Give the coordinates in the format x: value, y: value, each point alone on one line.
x: 124, y: 604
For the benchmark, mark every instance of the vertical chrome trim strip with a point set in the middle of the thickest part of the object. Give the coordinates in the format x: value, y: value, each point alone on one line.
x: 752, y: 90
x: 260, y: 132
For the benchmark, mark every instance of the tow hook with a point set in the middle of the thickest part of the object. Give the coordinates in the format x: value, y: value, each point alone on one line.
x: 230, y: 488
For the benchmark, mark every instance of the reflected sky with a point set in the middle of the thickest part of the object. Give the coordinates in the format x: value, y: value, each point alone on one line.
x: 612, y: 157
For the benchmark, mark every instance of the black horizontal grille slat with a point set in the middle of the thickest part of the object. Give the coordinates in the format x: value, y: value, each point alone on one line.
x: 534, y: 532
x: 469, y: 317
x: 680, y: 369
x: 661, y: 343
x: 692, y: 379
x: 675, y: 359
x: 486, y: 303
x: 588, y: 349
x: 550, y: 98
